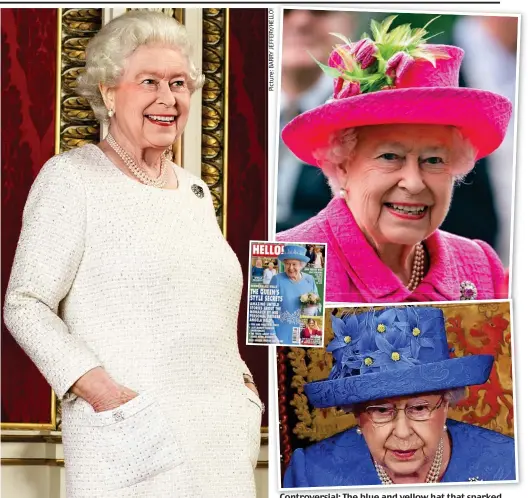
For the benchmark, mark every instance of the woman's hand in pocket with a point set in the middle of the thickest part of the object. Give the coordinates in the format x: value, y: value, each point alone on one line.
x: 252, y: 387
x: 101, y: 391
x: 113, y: 398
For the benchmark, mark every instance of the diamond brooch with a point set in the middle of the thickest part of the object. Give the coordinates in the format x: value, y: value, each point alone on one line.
x: 468, y: 291
x: 198, y: 191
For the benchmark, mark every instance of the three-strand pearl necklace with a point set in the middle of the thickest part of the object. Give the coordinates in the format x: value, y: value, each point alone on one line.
x: 138, y: 172
x: 418, y: 269
x: 432, y: 475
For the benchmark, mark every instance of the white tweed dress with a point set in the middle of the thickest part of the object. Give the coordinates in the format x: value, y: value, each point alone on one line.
x: 141, y: 281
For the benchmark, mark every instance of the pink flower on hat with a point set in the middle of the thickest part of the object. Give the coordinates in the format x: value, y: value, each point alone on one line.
x: 345, y: 88
x: 338, y: 85
x: 398, y: 64
x: 365, y: 52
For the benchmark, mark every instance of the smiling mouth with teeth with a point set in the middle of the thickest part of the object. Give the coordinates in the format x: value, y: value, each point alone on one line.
x: 417, y: 210
x: 162, y: 119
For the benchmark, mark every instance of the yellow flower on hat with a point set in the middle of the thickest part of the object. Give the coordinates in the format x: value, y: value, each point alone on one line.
x: 395, y: 356
x: 416, y: 332
x: 368, y: 361
x: 381, y: 328
x: 347, y: 339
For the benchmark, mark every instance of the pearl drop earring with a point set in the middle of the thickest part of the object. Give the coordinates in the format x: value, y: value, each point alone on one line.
x: 445, y: 428
x: 358, y: 430
x: 110, y: 113
x: 342, y: 193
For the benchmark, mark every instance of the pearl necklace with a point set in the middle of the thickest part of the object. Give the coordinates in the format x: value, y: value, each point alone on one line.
x: 138, y: 172
x: 417, y: 274
x: 432, y: 475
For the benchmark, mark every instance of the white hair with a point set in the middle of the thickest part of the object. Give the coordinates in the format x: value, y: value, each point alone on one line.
x: 335, y: 155
x: 454, y: 396
x: 108, y: 50
x: 342, y: 144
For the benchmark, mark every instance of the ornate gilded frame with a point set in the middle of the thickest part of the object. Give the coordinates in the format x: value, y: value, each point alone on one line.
x: 215, y: 98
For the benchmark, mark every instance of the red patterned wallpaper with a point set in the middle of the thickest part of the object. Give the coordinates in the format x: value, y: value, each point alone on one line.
x: 247, y: 154
x: 29, y: 39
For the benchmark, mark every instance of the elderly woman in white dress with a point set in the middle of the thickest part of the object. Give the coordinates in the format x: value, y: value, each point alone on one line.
x: 112, y: 296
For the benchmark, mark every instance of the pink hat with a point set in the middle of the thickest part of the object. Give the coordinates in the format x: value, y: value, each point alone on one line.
x: 376, y: 83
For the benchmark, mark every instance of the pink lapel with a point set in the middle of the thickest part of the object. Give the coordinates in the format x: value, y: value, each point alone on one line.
x: 357, y: 274
x: 442, y: 282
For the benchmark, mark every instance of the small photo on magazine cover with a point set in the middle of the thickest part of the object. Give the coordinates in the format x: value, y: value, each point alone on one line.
x: 407, y: 394
x: 286, y: 293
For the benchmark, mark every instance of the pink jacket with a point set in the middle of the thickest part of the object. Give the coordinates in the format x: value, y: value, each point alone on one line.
x: 355, y: 273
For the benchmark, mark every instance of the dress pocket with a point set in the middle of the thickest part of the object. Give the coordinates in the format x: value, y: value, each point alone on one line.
x: 134, y: 442
x: 254, y: 419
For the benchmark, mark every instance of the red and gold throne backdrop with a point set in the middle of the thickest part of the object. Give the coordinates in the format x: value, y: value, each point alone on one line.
x: 42, y: 53
x: 471, y: 329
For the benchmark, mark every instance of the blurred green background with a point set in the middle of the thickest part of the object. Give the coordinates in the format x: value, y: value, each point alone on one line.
x: 443, y: 25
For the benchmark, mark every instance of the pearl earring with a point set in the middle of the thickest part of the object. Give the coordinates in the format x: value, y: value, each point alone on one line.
x: 445, y: 428
x: 110, y: 113
x: 342, y: 193
x: 358, y: 430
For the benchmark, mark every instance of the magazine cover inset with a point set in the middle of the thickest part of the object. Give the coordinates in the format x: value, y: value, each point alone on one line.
x: 286, y: 293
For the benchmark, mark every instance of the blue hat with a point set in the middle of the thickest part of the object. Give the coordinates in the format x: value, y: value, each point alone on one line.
x: 393, y: 352
x: 294, y: 252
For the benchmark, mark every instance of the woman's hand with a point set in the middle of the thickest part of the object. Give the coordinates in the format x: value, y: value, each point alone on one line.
x: 112, y: 399
x: 101, y: 391
x: 250, y: 383
x: 253, y: 388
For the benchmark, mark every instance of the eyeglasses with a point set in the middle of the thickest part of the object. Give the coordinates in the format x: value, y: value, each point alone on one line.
x: 383, y: 414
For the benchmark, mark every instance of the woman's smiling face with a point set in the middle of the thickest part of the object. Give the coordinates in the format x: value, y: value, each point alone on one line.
x: 292, y: 268
x: 399, y: 181
x: 152, y: 99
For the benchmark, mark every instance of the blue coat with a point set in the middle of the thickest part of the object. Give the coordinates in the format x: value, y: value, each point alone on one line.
x: 290, y: 309
x: 257, y: 274
x: 344, y: 459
